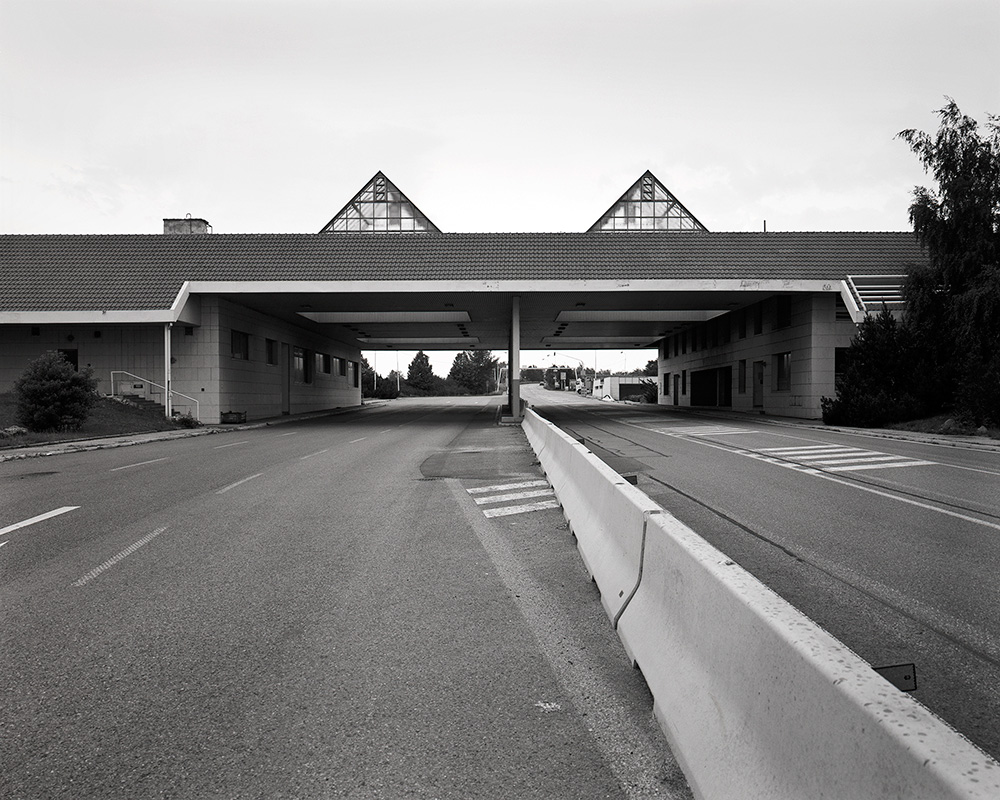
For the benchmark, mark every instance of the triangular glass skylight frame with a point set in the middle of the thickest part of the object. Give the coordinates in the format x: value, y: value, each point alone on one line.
x: 380, y: 208
x: 648, y: 206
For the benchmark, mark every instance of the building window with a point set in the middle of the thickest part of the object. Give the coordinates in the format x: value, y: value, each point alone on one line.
x: 783, y: 372
x: 703, y: 332
x: 839, y: 363
x: 666, y: 384
x: 354, y: 374
x: 684, y: 343
x: 240, y: 345
x: 783, y: 312
x: 741, y: 376
x: 758, y: 319
x: 684, y: 381
x: 694, y: 340
x: 302, y: 365
x: 727, y: 329
x: 323, y: 363
x: 271, y: 351
x: 713, y: 333
x: 741, y: 323
x: 343, y: 366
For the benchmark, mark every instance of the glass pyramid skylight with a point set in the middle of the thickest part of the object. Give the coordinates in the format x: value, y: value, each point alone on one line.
x: 647, y: 206
x: 380, y: 208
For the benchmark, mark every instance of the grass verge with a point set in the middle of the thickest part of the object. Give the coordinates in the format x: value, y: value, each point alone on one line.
x: 107, y: 418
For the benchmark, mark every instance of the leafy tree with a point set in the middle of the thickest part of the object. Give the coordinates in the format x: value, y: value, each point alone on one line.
x: 52, y: 396
x: 651, y: 368
x: 369, y: 380
x: 876, y: 387
x: 420, y: 375
x: 474, y: 371
x: 953, y: 304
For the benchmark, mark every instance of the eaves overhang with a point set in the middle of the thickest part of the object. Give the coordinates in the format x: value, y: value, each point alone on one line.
x: 517, y: 286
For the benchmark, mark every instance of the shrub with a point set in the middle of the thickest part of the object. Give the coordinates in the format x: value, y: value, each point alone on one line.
x: 878, y: 384
x: 51, y: 395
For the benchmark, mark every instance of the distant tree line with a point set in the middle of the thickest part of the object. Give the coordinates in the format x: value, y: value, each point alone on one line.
x: 943, y: 355
x: 473, y: 372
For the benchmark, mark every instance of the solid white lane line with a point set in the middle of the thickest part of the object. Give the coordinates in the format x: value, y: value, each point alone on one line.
x: 231, y: 444
x: 288, y: 434
x: 3, y: 543
x: 506, y: 511
x: 118, y: 557
x: 506, y: 487
x: 318, y: 453
x: 357, y: 440
x: 225, y: 489
x: 139, y: 464
x: 47, y: 515
x: 503, y: 498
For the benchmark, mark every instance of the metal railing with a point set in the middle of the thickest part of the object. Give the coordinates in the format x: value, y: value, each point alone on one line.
x: 197, y: 409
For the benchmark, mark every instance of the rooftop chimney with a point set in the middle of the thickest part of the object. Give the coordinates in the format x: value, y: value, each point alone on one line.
x: 186, y: 225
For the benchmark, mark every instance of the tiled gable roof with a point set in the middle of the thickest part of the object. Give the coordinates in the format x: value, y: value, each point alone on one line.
x: 139, y: 272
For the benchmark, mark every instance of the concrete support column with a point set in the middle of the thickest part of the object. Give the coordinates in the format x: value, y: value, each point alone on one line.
x: 167, y: 399
x: 514, y: 360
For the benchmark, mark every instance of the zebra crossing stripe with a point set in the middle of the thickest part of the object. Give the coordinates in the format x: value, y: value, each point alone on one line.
x: 506, y: 511
x: 880, y: 466
x: 503, y: 498
x: 500, y: 496
x: 840, y: 458
x: 507, y: 487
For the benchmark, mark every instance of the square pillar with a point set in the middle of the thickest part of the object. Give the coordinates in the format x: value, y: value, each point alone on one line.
x: 514, y: 361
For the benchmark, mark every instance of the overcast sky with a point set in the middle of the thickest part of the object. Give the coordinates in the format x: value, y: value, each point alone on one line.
x: 269, y: 115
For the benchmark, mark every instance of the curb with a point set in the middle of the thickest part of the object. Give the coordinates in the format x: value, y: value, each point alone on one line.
x: 129, y: 440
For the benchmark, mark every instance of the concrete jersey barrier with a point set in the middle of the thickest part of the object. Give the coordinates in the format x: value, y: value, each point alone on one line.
x: 591, y: 493
x: 755, y: 699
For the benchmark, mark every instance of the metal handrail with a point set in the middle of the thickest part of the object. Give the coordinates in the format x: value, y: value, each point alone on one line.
x: 197, y: 405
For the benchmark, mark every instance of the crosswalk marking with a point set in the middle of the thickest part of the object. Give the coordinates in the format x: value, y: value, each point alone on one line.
x: 507, y: 499
x: 911, y: 463
x: 506, y: 511
x: 503, y: 498
x: 507, y: 487
x: 838, y: 458
x: 699, y: 430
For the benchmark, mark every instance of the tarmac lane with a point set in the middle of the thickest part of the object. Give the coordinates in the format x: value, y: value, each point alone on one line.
x: 315, y: 609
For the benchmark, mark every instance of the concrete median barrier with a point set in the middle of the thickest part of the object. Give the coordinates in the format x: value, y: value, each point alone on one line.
x: 755, y: 699
x: 605, y: 513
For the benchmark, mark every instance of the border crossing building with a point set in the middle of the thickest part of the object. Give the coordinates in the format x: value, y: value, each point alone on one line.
x: 270, y: 324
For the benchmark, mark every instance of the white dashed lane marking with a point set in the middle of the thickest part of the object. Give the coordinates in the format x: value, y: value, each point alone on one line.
x: 504, y: 497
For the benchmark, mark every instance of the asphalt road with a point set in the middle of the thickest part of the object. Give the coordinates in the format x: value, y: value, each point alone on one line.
x: 381, y: 604
x: 892, y: 545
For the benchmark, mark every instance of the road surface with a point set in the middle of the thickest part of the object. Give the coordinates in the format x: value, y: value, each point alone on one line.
x: 380, y: 604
